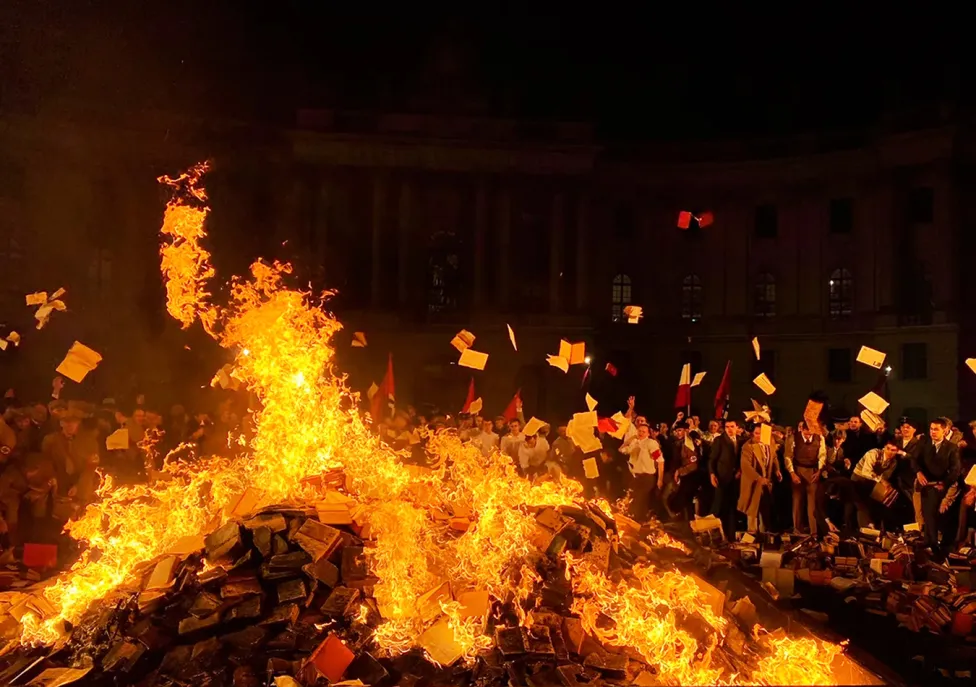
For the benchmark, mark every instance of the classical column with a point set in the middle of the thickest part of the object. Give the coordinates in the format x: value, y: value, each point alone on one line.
x: 557, y: 227
x: 405, y: 234
x: 379, y: 198
x: 480, y: 230
x: 582, y: 246
x: 503, y: 257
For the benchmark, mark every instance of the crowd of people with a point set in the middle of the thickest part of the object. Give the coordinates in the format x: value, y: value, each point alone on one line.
x: 843, y: 476
x: 839, y: 476
x: 53, y: 456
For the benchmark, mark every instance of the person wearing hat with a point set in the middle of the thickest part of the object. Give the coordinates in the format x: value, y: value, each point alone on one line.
x: 69, y: 450
x: 903, y: 478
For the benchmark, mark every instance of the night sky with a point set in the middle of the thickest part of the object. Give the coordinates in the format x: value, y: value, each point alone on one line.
x: 664, y: 73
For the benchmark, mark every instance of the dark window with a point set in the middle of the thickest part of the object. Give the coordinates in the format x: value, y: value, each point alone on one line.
x: 914, y: 361
x: 443, y: 273
x: 764, y: 302
x: 624, y: 223
x: 921, y: 205
x: 841, y: 216
x: 766, y: 222
x: 766, y: 364
x: 530, y: 264
x: 621, y: 296
x: 691, y: 297
x: 839, y: 365
x: 840, y: 294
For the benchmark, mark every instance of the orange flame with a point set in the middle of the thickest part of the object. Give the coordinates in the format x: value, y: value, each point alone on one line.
x: 470, y: 522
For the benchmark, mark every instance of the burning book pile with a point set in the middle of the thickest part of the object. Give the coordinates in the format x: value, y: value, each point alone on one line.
x: 886, y: 575
x: 278, y: 596
x: 317, y: 555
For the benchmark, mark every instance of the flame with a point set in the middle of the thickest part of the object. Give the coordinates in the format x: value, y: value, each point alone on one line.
x: 469, y: 521
x: 184, y: 262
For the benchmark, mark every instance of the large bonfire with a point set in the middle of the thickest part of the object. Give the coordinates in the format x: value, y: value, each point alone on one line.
x: 304, y: 423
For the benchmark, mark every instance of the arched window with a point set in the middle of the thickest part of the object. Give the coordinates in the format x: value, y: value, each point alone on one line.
x: 840, y: 293
x: 691, y: 297
x: 443, y: 278
x: 621, y: 295
x: 764, y: 295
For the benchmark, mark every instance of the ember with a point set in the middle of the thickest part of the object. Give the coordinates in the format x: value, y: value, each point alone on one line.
x: 325, y: 556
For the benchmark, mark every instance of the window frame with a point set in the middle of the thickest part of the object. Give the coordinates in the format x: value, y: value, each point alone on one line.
x: 839, y: 305
x: 692, y: 297
x: 618, y: 300
x: 764, y: 305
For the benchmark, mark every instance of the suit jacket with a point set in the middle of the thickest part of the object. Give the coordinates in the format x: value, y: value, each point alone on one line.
x: 937, y: 466
x: 723, y: 460
x: 756, y: 462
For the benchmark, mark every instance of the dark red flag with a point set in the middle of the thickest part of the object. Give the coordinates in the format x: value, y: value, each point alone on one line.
x: 722, y: 395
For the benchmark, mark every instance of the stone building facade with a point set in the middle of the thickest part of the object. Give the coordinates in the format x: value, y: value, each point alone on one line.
x: 425, y: 225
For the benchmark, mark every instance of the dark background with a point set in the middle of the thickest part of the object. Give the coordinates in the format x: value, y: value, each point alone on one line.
x: 638, y: 73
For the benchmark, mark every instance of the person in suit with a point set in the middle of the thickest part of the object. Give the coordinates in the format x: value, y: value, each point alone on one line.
x: 759, y: 468
x: 937, y: 468
x: 908, y: 508
x: 723, y: 470
x: 804, y: 463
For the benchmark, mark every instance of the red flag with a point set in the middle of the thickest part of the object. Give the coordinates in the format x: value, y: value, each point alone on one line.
x: 384, y: 397
x: 722, y: 395
x: 684, y: 219
x: 470, y: 399
x: 706, y: 219
x: 510, y: 412
x: 605, y: 425
x: 683, y: 398
x: 611, y: 370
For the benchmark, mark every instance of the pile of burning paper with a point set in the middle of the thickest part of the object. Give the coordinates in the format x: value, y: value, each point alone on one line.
x: 283, y: 595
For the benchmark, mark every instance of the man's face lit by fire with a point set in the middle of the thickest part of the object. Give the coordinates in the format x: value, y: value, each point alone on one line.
x: 499, y: 426
x: 714, y: 426
x: 139, y: 417
x: 514, y: 426
x: 855, y: 424
x: 39, y: 413
x: 937, y: 432
x: 731, y: 429
x: 679, y: 433
x: 70, y: 427
x: 907, y: 431
x: 643, y: 432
